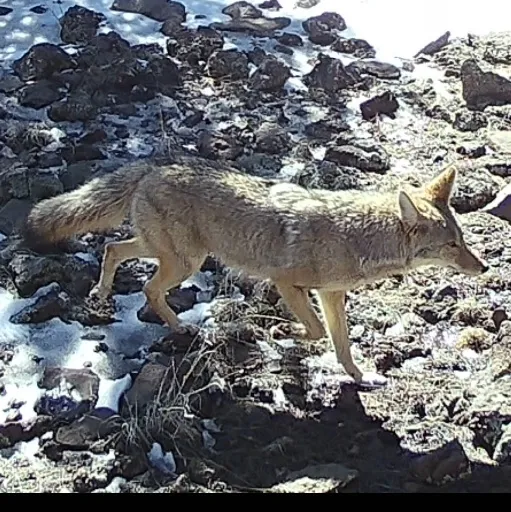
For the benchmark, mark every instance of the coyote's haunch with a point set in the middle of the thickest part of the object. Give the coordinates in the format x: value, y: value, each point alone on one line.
x: 301, y: 239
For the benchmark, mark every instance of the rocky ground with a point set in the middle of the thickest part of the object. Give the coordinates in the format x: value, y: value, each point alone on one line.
x: 240, y: 405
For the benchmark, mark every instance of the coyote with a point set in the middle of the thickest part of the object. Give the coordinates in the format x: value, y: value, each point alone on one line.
x: 301, y: 239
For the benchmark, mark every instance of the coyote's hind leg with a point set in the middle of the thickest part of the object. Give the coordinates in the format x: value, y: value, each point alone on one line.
x: 115, y: 254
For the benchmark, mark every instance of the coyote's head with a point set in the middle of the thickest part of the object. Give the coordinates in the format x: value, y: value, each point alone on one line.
x: 435, y: 236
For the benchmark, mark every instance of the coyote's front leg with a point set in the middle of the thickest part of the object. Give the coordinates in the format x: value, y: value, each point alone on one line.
x: 334, y: 310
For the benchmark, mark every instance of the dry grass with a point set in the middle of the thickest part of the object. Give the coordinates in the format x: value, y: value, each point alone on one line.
x: 170, y: 418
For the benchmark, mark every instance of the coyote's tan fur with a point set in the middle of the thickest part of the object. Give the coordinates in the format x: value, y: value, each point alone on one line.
x: 301, y: 239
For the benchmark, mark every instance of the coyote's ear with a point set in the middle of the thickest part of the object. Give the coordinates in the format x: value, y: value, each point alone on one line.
x: 409, y: 212
x: 440, y: 188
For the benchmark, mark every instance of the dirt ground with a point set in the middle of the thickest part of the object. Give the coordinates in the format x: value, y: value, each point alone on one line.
x: 243, y: 405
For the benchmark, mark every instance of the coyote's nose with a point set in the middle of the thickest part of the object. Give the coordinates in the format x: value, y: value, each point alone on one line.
x: 485, y: 268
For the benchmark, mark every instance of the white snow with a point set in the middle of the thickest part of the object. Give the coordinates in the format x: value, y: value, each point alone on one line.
x: 397, y: 29
x: 110, y: 392
x: 164, y: 462
x: 74, y: 346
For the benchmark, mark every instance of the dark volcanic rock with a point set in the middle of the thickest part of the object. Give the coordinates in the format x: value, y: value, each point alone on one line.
x: 483, y: 88
x: 80, y: 152
x: 12, y: 215
x: 228, y: 63
x: 134, y: 73
x: 13, y: 183
x: 249, y: 19
x: 256, y: 55
x: 448, y: 462
x: 218, y: 145
x: 259, y: 27
x: 50, y: 305
x: 179, y: 300
x: 79, y: 25
x: 272, y: 5
x: 383, y: 104
x: 83, y: 380
x: 74, y: 275
x: 272, y: 139
x: 40, y: 94
x: 9, y: 83
x: 323, y: 29
x: 75, y: 108
x: 158, y: 10
x: 469, y: 121
x: 44, y: 183
x: 359, y: 48
x: 326, y: 129
x: 501, y: 205
x: 77, y: 174
x: 270, y: 76
x: 330, y: 75
x: 242, y: 9
x: 162, y: 75
x: 16, y: 432
x: 288, y: 39
x: 370, y: 159
x: 42, y: 61
x: 375, y: 68
x: 194, y: 46
x: 475, y: 189
x: 435, y: 46
x: 329, y: 176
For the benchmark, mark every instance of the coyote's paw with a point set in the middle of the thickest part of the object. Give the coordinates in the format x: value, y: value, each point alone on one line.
x: 372, y: 380
x: 185, y: 329
x: 98, y: 293
x: 297, y: 330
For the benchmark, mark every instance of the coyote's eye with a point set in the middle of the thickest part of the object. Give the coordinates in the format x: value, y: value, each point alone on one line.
x: 453, y: 245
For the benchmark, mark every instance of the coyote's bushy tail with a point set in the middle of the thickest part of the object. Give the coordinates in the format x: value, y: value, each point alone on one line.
x: 98, y: 205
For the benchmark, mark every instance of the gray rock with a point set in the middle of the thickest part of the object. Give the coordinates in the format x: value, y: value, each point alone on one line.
x: 330, y: 75
x: 384, y: 104
x: 483, y: 88
x: 447, y: 462
x: 435, y: 46
x: 40, y: 94
x: 373, y: 160
x: 272, y: 139
x: 13, y: 183
x: 374, y: 68
x: 79, y: 25
x: 270, y: 76
x: 359, y: 48
x: 216, y: 145
x: 324, y: 478
x: 229, y: 64
x: 242, y: 9
x: 323, y: 29
x: 42, y: 61
x: 502, y: 453
x: 259, y: 27
x: 158, y: 10
x: 475, y: 189
x: 12, y: 215
x: 467, y: 121
x: 75, y: 275
x: 50, y: 305
x: 43, y: 184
